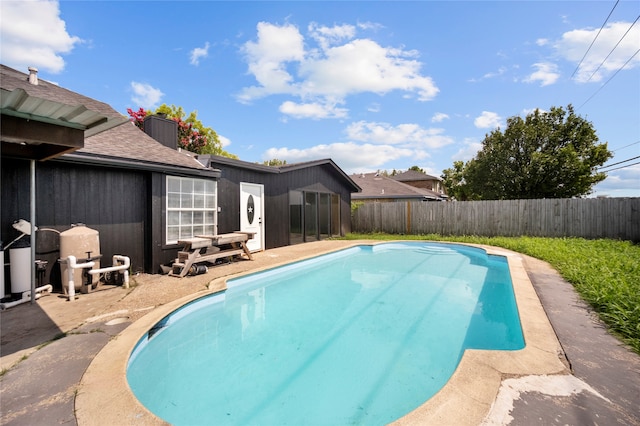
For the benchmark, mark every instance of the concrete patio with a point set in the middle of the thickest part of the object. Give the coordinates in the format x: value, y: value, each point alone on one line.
x: 55, y: 354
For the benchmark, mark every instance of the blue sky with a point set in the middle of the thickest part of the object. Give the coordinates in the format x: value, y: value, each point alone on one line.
x: 372, y: 85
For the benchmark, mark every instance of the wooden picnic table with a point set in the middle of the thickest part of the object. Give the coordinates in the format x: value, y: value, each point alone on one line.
x: 208, y: 248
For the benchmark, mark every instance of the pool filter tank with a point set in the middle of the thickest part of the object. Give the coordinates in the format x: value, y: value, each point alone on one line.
x: 83, y: 243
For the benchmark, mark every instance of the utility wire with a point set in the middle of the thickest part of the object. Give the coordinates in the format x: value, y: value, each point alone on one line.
x: 619, y: 162
x: 594, y: 40
x: 622, y: 167
x: 614, y: 48
x: 610, y: 78
x: 626, y: 146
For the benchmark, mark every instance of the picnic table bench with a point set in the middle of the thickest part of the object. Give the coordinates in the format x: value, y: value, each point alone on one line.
x: 209, y: 248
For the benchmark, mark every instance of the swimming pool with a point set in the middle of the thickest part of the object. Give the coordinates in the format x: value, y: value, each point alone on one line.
x: 363, y: 335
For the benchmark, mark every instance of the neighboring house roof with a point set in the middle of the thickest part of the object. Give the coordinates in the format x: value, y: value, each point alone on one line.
x: 209, y: 160
x: 120, y: 144
x: 413, y: 175
x: 376, y: 186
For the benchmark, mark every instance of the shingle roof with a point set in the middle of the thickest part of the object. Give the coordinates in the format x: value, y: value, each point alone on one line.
x: 128, y: 142
x: 379, y: 186
x: 13, y: 79
x: 123, y: 142
x: 413, y: 175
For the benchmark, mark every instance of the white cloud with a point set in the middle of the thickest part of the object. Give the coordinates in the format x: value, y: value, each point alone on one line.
x: 312, y: 110
x: 487, y: 120
x: 224, y: 141
x: 337, y: 66
x: 374, y: 107
x: 542, y: 42
x: 406, y: 135
x: 145, y: 95
x: 32, y: 34
x: 350, y: 157
x: 364, y: 66
x: 327, y: 36
x: 620, y: 183
x: 267, y: 58
x: 371, y: 146
x: 438, y: 117
x: 469, y: 149
x: 573, y: 45
x: 370, y: 26
x: 546, y: 73
x: 493, y: 74
x: 199, y: 52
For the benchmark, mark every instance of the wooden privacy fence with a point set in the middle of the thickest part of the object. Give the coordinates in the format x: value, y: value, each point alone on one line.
x: 616, y: 218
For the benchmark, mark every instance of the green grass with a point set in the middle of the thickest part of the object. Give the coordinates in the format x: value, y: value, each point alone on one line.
x: 606, y: 273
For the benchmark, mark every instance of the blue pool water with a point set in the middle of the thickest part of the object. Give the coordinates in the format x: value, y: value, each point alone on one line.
x: 361, y: 336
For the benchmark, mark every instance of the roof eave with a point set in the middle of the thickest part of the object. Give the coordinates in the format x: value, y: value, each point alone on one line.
x: 123, y: 163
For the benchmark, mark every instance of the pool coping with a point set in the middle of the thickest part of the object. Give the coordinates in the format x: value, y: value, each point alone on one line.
x: 104, y: 395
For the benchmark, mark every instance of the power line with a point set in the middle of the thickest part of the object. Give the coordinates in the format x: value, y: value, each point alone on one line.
x: 626, y: 146
x: 619, y: 162
x: 594, y: 40
x: 622, y: 167
x: 614, y: 48
x: 610, y: 78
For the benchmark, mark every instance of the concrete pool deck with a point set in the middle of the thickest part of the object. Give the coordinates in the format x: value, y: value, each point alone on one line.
x: 571, y: 371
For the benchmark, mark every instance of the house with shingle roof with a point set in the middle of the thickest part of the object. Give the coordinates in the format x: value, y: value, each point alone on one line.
x: 421, y: 180
x: 108, y: 175
x: 141, y: 193
x: 379, y: 188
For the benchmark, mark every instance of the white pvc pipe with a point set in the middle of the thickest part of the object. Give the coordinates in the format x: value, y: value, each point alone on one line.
x: 116, y: 267
x: 26, y: 297
x: 71, y: 266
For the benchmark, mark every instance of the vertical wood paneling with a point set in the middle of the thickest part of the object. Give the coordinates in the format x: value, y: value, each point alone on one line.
x: 319, y: 178
x: 112, y: 202
x: 617, y: 218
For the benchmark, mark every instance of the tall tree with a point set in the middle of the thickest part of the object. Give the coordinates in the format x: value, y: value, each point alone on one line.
x: 551, y: 154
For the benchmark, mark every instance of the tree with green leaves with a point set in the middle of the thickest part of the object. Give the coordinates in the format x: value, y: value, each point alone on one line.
x: 274, y: 162
x: 454, y: 182
x: 192, y: 134
x: 552, y: 154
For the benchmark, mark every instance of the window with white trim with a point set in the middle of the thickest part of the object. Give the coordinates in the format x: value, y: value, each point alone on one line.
x: 191, y: 208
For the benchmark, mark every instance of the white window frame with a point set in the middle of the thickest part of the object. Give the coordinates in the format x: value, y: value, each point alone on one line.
x: 191, y: 208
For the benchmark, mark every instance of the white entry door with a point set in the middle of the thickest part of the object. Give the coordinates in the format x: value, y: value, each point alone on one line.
x: 252, y: 214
